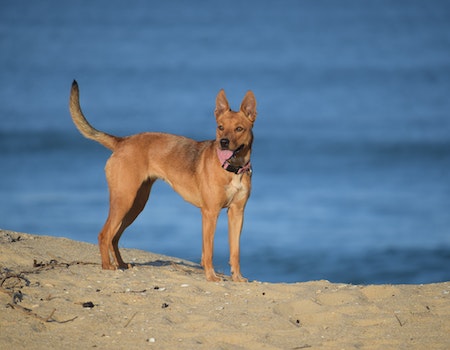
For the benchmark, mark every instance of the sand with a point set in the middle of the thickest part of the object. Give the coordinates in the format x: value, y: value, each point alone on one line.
x: 54, y: 295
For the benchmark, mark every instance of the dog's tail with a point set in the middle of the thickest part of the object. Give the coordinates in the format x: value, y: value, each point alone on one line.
x: 86, y: 129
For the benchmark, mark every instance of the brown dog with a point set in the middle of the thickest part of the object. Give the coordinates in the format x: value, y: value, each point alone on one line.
x: 211, y: 175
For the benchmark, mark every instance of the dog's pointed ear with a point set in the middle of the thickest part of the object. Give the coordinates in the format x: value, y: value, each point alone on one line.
x: 221, y: 103
x: 248, y: 106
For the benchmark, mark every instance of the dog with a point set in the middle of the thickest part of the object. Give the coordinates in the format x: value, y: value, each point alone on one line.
x: 211, y: 175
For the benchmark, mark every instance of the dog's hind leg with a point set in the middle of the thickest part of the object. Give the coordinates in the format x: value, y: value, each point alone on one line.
x: 127, y: 200
x: 137, y: 207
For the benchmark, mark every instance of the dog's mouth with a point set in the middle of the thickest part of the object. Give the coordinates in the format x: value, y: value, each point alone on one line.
x: 226, y: 154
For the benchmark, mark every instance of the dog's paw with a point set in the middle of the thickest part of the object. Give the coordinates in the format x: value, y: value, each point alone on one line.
x: 212, y: 277
x: 108, y: 266
x: 238, y: 278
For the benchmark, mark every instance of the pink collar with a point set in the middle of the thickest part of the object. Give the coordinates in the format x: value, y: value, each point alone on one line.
x: 225, y: 156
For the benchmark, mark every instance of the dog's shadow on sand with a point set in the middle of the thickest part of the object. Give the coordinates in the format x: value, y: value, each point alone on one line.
x: 183, y: 266
x: 187, y: 268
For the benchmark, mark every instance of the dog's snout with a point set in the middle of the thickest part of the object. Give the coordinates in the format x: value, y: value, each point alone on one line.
x: 224, y: 143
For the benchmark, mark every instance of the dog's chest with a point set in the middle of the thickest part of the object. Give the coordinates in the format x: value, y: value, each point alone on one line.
x: 236, y: 189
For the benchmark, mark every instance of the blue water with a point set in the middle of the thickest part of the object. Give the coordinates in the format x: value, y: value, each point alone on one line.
x: 352, y: 151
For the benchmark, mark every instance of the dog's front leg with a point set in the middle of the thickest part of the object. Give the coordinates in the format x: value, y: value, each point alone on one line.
x: 235, y: 221
x: 209, y: 221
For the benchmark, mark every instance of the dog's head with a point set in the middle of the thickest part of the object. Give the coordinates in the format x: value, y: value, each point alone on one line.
x: 234, y: 129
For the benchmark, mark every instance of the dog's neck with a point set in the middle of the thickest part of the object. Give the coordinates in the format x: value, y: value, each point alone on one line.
x: 237, y: 162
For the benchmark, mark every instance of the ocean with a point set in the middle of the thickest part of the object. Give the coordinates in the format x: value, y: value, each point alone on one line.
x: 351, y: 157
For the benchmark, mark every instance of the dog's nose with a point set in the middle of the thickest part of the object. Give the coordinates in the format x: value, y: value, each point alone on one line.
x: 224, y: 143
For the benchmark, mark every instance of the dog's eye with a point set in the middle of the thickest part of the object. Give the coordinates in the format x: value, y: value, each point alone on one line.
x: 220, y: 127
x: 239, y: 129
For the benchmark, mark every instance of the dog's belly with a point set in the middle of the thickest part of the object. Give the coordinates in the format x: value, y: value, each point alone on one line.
x: 190, y: 195
x: 236, y: 190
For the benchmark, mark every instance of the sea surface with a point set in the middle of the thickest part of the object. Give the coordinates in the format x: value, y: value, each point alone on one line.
x: 351, y: 156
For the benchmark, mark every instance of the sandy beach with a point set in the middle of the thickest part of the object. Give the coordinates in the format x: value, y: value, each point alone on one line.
x: 54, y: 295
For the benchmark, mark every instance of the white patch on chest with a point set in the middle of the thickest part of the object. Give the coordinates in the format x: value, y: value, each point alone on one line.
x: 235, y: 189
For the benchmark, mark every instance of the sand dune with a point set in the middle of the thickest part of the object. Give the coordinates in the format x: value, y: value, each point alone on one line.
x: 55, y: 295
